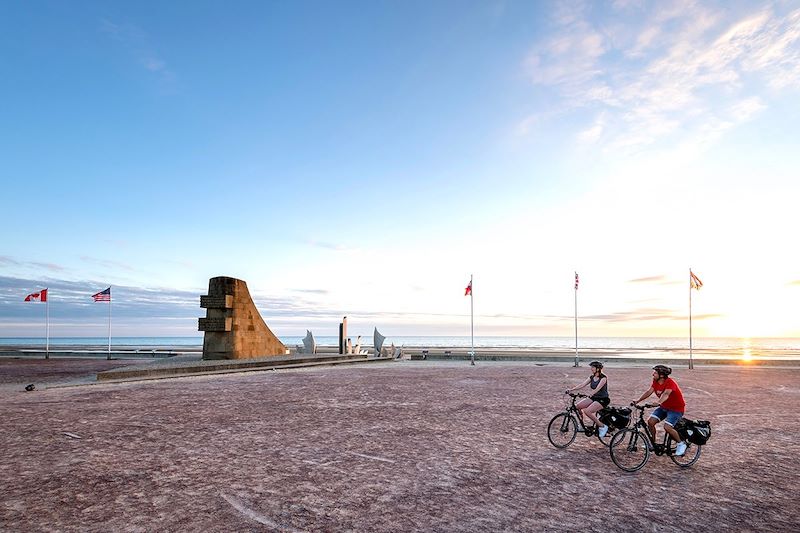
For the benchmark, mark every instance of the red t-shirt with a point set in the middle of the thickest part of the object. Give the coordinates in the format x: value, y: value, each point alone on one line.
x: 675, y: 401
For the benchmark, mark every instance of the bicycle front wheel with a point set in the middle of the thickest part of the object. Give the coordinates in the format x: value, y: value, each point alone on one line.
x: 629, y: 450
x: 689, y: 458
x: 562, y: 430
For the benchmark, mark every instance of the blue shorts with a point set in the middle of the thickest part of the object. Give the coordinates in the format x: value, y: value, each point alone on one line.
x: 672, y: 417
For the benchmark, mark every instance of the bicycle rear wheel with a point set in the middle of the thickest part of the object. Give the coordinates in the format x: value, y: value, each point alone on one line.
x: 629, y: 450
x: 689, y: 458
x: 562, y: 430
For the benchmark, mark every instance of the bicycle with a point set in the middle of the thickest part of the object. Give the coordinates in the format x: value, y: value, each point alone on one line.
x: 563, y: 428
x: 630, y: 448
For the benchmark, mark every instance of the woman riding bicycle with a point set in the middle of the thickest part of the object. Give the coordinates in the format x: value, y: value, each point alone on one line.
x: 670, y: 405
x: 598, y: 382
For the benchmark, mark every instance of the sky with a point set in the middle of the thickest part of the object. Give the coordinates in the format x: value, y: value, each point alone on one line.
x: 365, y: 158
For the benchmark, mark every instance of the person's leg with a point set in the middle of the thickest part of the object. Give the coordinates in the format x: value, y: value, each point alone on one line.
x: 655, y: 417
x: 581, y: 405
x: 669, y: 427
x: 591, y: 410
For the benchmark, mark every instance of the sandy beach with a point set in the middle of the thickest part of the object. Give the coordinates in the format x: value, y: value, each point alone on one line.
x: 409, y: 445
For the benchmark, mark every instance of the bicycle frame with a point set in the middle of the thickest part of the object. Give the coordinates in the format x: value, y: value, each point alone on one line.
x: 576, y: 413
x: 630, y: 448
x: 564, y: 426
x: 663, y: 448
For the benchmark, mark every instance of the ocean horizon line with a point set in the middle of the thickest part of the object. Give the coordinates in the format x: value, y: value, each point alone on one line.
x: 743, y: 345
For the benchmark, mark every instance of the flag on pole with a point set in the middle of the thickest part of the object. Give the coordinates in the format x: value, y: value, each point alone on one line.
x: 468, y: 290
x: 576, y: 281
x: 103, y: 296
x: 40, y: 296
x: 694, y: 281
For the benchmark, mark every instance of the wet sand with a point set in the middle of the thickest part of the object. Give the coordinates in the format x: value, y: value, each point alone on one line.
x: 411, y: 446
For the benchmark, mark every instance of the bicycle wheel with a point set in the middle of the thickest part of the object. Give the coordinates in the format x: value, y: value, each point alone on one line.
x: 629, y: 450
x: 689, y: 458
x: 562, y: 430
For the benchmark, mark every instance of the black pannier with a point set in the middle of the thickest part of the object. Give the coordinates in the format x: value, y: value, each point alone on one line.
x: 695, y: 431
x: 617, y: 417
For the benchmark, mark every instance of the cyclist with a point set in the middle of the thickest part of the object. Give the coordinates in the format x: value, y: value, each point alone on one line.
x: 670, y: 405
x: 598, y: 382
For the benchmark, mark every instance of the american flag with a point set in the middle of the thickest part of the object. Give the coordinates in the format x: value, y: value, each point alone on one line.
x: 694, y: 281
x: 103, y: 296
x: 576, y: 281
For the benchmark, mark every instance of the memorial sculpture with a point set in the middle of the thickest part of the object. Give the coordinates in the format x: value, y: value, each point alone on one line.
x: 377, y: 342
x: 233, y: 326
x: 309, y: 344
x: 343, y: 336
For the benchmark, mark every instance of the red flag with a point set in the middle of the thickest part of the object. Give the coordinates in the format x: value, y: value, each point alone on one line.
x: 468, y: 290
x: 40, y: 296
x: 103, y: 296
x: 694, y: 281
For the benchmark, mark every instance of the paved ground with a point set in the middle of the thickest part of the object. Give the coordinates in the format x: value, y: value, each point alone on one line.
x: 407, y: 446
x: 56, y: 370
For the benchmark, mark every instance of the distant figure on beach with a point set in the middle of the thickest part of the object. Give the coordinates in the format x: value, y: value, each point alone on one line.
x: 598, y: 382
x: 670, y: 405
x: 358, y: 345
x: 349, y: 346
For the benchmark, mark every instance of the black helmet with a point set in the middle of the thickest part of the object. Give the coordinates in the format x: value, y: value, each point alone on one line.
x: 596, y: 364
x: 663, y: 370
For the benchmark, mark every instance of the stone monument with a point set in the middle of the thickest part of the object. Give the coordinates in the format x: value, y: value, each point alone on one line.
x: 233, y: 326
x: 343, y: 336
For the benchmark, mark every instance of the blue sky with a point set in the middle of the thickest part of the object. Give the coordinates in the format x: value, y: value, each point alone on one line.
x: 364, y: 158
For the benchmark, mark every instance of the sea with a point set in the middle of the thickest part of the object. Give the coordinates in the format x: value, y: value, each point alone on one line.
x: 773, y: 346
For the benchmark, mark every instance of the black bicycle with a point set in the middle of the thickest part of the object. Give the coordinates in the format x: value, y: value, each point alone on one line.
x: 563, y: 427
x: 630, y: 448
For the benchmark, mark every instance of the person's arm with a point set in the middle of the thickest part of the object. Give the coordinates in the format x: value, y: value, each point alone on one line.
x: 664, y: 396
x: 601, y: 383
x: 646, y: 395
x: 582, y: 385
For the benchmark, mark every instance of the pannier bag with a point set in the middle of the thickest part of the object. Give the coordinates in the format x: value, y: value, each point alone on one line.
x: 695, y: 431
x: 617, y: 417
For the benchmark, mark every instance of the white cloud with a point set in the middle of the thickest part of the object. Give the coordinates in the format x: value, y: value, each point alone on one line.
x: 593, y: 133
x: 688, y: 69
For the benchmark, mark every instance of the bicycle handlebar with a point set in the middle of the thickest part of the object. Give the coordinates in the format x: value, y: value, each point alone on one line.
x: 643, y: 407
x: 575, y: 394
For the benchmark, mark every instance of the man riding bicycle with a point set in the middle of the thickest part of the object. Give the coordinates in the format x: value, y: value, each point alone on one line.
x: 670, y: 405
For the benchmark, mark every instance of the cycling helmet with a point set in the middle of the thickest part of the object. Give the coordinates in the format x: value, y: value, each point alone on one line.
x: 663, y: 370
x: 596, y: 364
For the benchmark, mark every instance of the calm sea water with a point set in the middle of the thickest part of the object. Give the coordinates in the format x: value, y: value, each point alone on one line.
x: 776, y: 345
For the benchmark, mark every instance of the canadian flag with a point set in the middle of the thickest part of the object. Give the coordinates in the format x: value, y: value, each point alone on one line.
x: 40, y: 296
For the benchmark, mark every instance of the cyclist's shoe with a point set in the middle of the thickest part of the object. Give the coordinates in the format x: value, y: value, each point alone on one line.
x: 602, y: 431
x: 680, y: 449
x: 589, y: 431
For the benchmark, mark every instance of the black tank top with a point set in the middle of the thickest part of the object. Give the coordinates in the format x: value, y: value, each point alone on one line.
x: 603, y: 392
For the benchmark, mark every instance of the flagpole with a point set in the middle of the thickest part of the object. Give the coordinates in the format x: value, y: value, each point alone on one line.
x: 576, y: 320
x: 691, y: 361
x: 471, y: 324
x: 109, y: 324
x: 47, y: 326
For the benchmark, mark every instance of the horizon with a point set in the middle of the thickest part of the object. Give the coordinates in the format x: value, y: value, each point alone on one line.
x: 365, y: 159
x: 365, y: 336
